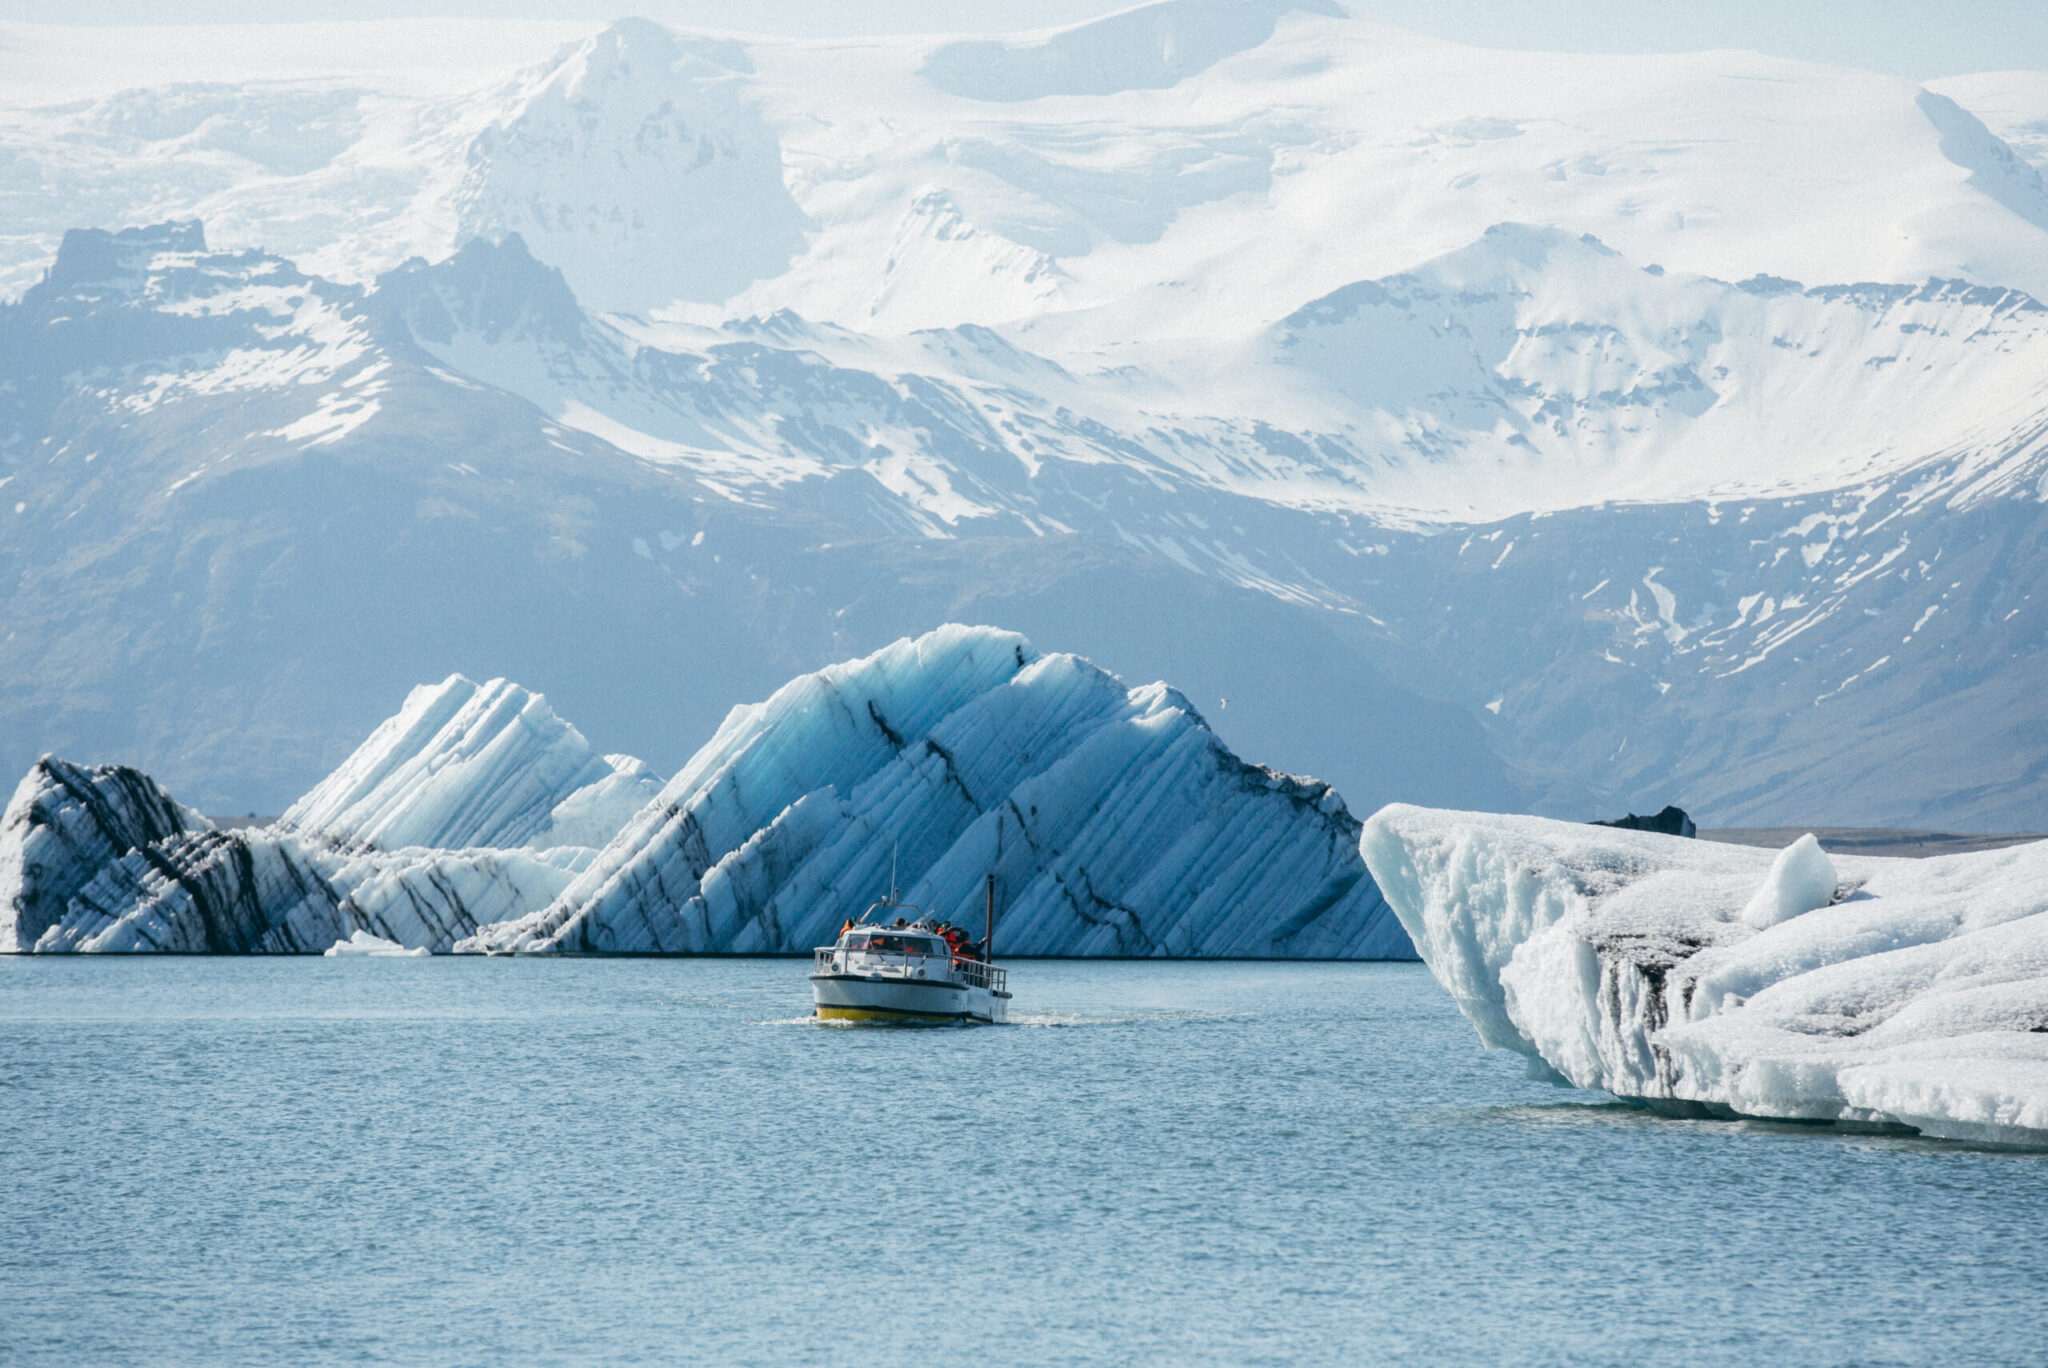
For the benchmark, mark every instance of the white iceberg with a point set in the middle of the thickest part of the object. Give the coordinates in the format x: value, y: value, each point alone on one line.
x: 363, y: 944
x: 1723, y: 980
x: 99, y: 859
x: 267, y: 892
x: 1114, y: 820
x: 466, y: 764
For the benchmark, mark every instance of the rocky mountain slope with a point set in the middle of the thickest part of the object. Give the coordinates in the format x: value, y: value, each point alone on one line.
x: 1490, y: 430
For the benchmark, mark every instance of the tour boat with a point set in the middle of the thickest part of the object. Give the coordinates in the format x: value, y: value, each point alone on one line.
x: 895, y: 965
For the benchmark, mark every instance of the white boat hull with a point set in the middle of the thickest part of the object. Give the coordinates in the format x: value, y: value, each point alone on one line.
x: 863, y: 997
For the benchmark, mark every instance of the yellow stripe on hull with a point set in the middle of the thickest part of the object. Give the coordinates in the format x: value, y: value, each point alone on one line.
x: 869, y: 1014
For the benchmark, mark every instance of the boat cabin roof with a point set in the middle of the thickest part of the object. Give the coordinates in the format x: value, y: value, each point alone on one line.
x: 892, y: 938
x: 894, y: 926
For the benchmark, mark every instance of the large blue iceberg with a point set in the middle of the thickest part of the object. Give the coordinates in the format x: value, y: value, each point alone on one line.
x: 1114, y: 820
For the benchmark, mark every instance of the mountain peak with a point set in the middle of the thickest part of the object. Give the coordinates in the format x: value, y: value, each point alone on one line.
x: 94, y: 256
x: 493, y: 288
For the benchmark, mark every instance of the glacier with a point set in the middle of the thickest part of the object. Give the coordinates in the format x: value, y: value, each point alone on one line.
x: 475, y: 819
x: 1707, y: 979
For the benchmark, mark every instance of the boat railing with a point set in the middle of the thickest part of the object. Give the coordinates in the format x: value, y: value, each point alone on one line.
x: 977, y: 973
x: 980, y: 973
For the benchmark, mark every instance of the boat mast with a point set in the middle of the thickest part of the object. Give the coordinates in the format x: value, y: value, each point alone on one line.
x: 988, y: 939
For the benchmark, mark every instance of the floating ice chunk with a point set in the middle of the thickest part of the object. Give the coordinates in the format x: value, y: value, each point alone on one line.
x: 1802, y: 878
x: 273, y: 892
x: 363, y: 943
x: 1115, y: 821
x: 1627, y: 961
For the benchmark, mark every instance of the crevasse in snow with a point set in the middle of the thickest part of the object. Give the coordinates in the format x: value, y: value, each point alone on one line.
x: 1114, y: 820
x: 1720, y: 979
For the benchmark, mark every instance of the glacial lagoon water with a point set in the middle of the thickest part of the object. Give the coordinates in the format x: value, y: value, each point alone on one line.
x: 500, y: 1162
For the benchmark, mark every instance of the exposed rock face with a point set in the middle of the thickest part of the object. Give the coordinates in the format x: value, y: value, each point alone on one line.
x: 1115, y: 822
x: 1716, y: 979
x: 64, y: 824
x: 1672, y: 821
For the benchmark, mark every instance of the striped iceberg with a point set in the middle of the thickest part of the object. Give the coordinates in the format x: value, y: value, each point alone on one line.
x: 1113, y: 819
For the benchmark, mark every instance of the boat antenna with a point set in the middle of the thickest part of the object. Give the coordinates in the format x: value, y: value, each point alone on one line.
x: 894, y: 850
x: 988, y: 938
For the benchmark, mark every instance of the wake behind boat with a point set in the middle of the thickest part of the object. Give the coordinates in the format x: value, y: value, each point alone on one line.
x: 912, y: 969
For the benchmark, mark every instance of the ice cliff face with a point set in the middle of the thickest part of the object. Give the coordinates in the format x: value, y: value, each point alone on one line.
x: 1726, y: 980
x: 1114, y: 820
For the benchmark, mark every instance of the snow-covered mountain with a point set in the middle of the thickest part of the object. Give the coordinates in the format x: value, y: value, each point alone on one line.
x: 1490, y: 429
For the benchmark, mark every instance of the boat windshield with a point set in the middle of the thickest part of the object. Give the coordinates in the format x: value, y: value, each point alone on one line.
x: 895, y: 943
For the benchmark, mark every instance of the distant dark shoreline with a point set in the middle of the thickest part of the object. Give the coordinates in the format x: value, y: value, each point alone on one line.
x: 1843, y: 840
x: 1871, y: 840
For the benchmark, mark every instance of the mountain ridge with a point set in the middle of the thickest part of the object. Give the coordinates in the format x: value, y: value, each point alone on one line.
x: 1586, y: 506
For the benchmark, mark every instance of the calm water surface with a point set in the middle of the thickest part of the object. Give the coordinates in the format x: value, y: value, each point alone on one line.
x: 509, y: 1162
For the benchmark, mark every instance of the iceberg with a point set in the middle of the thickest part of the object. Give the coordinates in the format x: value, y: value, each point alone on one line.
x: 1114, y: 821
x: 474, y: 804
x: 363, y: 945
x: 1721, y: 980
x: 64, y: 824
x: 272, y: 892
x: 466, y: 764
